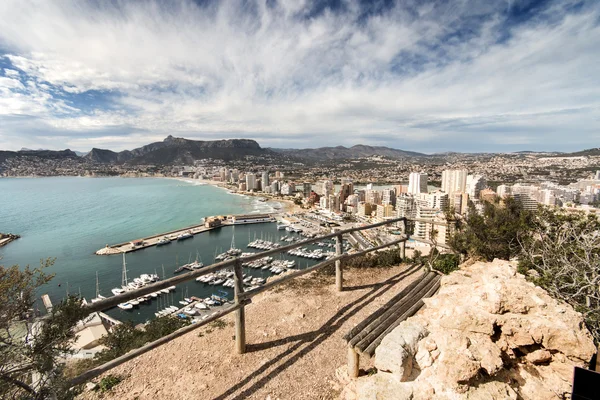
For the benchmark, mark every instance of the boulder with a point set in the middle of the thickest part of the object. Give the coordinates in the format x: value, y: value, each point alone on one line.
x: 487, y: 334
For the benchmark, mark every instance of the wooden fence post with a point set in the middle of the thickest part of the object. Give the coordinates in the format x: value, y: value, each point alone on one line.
x: 339, y: 278
x: 353, y: 363
x: 403, y: 244
x: 240, y: 319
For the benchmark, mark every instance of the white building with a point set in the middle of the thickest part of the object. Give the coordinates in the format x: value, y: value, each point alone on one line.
x: 417, y: 183
x: 475, y: 184
x: 265, y: 179
x: 454, y: 180
x: 504, y: 190
x: 437, y: 200
x: 250, y: 181
x: 388, y: 197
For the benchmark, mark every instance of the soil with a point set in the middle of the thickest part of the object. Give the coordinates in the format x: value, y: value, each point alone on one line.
x: 294, y: 334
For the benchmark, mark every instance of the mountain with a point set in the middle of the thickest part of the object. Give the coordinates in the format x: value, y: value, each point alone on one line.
x: 180, y: 151
x: 44, y: 154
x: 341, y: 152
x: 587, y: 152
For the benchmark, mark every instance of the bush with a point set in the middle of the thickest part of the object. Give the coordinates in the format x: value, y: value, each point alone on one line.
x: 125, y: 337
x: 498, y: 232
x: 564, y: 254
x: 446, y: 263
x: 109, y: 382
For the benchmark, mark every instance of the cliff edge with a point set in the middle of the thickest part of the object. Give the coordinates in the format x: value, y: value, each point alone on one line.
x: 487, y: 334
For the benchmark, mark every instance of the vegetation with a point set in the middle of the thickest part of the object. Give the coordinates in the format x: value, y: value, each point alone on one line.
x: 125, y: 337
x: 557, y: 250
x: 30, y: 349
x: 497, y: 232
x: 109, y: 382
x: 563, y: 257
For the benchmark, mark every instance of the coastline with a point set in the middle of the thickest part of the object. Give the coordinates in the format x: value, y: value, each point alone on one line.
x: 286, y: 206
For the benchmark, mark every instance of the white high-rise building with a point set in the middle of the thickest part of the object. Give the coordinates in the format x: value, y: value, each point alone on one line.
x: 437, y: 200
x: 388, y: 197
x: 475, y: 184
x: 454, y: 180
x: 250, y: 181
x: 265, y: 179
x: 417, y: 183
x: 504, y: 190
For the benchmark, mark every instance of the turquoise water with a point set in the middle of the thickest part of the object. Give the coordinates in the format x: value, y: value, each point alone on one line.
x: 70, y: 218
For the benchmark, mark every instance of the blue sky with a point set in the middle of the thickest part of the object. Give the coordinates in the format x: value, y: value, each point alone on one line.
x: 417, y: 75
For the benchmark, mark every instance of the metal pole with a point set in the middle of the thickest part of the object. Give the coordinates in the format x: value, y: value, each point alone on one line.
x: 339, y: 278
x: 240, y: 320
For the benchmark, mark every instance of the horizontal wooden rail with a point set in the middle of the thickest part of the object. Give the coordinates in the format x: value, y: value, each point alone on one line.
x: 242, y: 298
x: 92, y: 373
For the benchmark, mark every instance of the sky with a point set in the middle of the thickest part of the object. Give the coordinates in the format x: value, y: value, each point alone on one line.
x: 429, y: 76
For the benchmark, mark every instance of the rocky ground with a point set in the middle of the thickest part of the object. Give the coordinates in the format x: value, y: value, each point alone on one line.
x: 295, y: 345
x: 487, y: 334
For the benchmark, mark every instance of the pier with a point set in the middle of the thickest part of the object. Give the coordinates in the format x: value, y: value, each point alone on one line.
x: 209, y: 224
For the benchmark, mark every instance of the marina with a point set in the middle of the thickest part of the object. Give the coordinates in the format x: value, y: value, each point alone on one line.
x: 189, y: 232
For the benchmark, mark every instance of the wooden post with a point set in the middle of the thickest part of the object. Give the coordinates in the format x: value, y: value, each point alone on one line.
x: 240, y: 320
x: 403, y: 244
x: 339, y: 279
x: 353, y: 362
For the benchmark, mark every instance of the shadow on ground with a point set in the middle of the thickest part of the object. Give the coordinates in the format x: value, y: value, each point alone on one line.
x: 308, y: 341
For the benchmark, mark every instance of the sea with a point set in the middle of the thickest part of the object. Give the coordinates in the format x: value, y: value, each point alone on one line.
x: 69, y: 218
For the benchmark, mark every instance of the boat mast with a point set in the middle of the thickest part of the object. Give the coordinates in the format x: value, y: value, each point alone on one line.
x: 124, y: 277
x: 233, y: 239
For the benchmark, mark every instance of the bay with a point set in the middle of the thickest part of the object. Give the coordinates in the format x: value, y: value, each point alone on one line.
x: 69, y: 218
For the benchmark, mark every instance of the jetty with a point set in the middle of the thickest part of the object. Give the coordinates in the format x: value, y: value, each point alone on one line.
x: 163, y: 239
x: 6, y: 238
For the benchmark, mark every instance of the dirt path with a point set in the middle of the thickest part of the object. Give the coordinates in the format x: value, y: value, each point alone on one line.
x: 295, y: 345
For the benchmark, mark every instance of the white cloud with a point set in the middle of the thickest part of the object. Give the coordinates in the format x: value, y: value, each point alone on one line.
x: 229, y: 71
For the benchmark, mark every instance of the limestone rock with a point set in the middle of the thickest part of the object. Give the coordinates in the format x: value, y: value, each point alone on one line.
x: 487, y: 334
x: 539, y: 357
x: 400, y: 362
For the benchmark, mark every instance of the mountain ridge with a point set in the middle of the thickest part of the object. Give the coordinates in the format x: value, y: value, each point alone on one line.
x: 342, y: 152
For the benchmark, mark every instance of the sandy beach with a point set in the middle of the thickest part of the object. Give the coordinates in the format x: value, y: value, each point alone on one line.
x: 285, y: 206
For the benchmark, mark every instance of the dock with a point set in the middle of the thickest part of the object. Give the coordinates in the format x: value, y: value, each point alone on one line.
x: 171, y: 236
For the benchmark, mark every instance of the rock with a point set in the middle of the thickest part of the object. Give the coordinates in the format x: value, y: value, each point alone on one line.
x: 90, y: 386
x: 539, y: 357
x: 399, y: 363
x: 487, y: 334
x: 382, y: 386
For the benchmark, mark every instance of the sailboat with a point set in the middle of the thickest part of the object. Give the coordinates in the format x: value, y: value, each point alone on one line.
x: 98, y: 295
x: 233, y: 251
x: 123, y: 288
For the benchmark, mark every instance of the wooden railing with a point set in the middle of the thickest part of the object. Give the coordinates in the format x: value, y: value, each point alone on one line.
x: 243, y: 298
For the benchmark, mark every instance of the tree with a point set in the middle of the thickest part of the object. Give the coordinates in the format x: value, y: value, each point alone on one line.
x: 497, y: 232
x: 563, y: 257
x: 125, y: 337
x: 30, y: 347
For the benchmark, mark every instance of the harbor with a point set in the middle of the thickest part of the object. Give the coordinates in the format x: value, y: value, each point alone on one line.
x: 161, y: 239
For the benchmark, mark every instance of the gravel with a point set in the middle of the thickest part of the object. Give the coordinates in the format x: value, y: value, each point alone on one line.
x: 294, y: 335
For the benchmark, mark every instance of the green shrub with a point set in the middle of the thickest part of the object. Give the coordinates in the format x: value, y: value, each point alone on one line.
x: 446, y: 263
x: 109, y: 382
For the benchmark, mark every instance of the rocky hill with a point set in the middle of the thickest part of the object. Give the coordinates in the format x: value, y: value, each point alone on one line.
x: 44, y: 154
x: 487, y: 334
x: 180, y: 151
x: 341, y: 152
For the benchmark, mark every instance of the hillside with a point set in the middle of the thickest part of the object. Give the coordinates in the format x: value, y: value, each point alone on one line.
x: 180, y: 151
x: 45, y: 154
x: 341, y: 152
x: 587, y: 152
